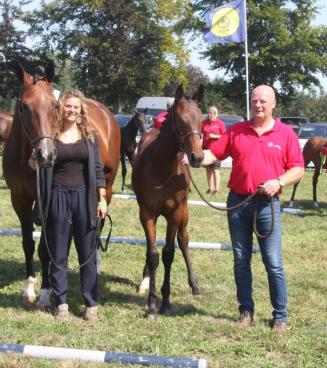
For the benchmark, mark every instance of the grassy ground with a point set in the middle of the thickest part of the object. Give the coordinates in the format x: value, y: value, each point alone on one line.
x: 200, y: 328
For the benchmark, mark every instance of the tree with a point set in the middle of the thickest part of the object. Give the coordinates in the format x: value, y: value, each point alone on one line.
x: 12, y: 47
x: 119, y: 50
x: 285, y: 50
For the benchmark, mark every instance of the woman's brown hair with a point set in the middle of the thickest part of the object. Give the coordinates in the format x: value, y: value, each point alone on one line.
x: 83, y: 123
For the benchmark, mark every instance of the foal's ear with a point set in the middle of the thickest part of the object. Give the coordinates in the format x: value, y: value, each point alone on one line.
x: 49, y: 71
x: 198, y: 95
x: 179, y: 93
x: 19, y: 71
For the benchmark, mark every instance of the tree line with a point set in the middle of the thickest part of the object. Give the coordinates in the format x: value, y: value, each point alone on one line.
x: 117, y: 51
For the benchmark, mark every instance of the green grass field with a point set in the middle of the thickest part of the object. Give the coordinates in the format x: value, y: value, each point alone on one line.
x: 200, y: 327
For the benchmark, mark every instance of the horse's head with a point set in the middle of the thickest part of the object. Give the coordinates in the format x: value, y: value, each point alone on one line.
x: 140, y: 120
x: 37, y: 112
x: 187, y: 123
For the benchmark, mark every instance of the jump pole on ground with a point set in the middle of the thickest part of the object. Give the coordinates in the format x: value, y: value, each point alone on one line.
x: 49, y: 352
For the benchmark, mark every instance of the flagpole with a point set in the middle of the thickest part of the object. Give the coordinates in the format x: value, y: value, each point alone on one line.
x: 246, y: 65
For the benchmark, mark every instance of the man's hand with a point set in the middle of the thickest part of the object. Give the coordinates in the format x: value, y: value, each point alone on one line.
x: 271, y: 187
x: 182, y: 158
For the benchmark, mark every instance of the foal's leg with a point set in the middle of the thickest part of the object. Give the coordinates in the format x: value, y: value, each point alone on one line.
x: 45, y: 291
x: 183, y: 239
x: 314, y: 185
x: 168, y: 253
x: 23, y: 207
x: 123, y: 171
x: 148, y: 222
x: 293, y: 194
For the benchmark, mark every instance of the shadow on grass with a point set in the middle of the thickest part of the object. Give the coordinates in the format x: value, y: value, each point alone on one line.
x: 307, y: 205
x: 11, y: 272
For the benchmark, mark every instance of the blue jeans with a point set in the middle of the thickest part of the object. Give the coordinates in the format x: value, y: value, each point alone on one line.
x: 240, y: 222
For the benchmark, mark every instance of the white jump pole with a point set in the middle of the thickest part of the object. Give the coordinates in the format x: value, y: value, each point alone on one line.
x: 49, y: 352
x: 140, y: 241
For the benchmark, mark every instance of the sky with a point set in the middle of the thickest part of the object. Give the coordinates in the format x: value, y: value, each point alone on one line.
x: 199, y: 46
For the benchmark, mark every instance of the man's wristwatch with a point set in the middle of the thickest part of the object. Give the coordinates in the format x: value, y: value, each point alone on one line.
x: 280, y: 182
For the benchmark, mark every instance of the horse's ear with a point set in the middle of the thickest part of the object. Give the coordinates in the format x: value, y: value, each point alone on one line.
x: 145, y: 110
x: 19, y: 71
x: 179, y: 93
x: 49, y: 71
x: 198, y: 95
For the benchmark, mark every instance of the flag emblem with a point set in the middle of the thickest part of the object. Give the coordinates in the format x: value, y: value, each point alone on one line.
x: 225, y: 22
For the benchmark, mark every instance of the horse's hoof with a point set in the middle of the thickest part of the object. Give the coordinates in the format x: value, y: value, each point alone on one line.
x: 166, y: 310
x: 29, y: 299
x: 43, y: 308
x: 315, y: 204
x: 291, y: 204
x: 196, y: 292
x: 142, y: 291
x: 152, y: 316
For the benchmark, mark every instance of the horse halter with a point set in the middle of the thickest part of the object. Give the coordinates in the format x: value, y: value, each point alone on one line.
x: 33, y: 141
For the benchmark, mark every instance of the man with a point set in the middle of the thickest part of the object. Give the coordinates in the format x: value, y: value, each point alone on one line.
x: 265, y: 152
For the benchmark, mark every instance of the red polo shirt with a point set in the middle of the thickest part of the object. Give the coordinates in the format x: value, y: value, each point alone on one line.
x: 257, y: 159
x: 215, y: 127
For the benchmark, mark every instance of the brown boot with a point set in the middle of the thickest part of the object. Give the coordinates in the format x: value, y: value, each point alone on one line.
x: 245, y: 319
x: 90, y: 314
x: 62, y: 312
x: 279, y: 327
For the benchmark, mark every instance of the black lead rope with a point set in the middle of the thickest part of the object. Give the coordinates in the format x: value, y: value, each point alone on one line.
x: 247, y: 199
x: 96, y: 234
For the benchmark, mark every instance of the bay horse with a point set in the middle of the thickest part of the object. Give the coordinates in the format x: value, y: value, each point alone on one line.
x: 128, y: 141
x: 312, y: 153
x: 6, y: 119
x: 34, y: 119
x: 161, y: 185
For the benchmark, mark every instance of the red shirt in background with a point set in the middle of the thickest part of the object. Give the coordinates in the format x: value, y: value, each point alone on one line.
x: 257, y: 159
x: 160, y: 119
x: 215, y: 127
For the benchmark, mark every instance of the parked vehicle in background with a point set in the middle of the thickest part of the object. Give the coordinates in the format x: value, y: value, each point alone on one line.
x: 154, y: 104
x: 229, y: 120
x: 309, y: 130
x: 294, y: 121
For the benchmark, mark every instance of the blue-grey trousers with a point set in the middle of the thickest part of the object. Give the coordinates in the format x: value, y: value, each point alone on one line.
x: 68, y: 219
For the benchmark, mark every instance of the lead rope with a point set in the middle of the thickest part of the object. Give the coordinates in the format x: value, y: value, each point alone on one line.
x: 247, y: 199
x: 96, y: 233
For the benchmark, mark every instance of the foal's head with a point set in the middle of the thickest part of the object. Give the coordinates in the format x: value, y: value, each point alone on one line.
x: 187, y: 122
x: 37, y: 112
x: 140, y: 121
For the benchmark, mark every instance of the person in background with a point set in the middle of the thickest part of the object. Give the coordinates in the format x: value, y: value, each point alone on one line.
x: 266, y: 155
x: 162, y: 116
x: 78, y: 198
x: 212, y: 129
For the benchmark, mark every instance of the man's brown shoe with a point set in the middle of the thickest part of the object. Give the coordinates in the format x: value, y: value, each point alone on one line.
x: 245, y: 319
x: 62, y: 312
x: 279, y: 327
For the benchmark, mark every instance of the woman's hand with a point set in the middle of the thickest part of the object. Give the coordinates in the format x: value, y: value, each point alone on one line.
x: 102, y: 209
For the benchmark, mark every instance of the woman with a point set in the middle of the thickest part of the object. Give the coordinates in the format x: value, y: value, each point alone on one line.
x: 212, y: 129
x: 78, y: 198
